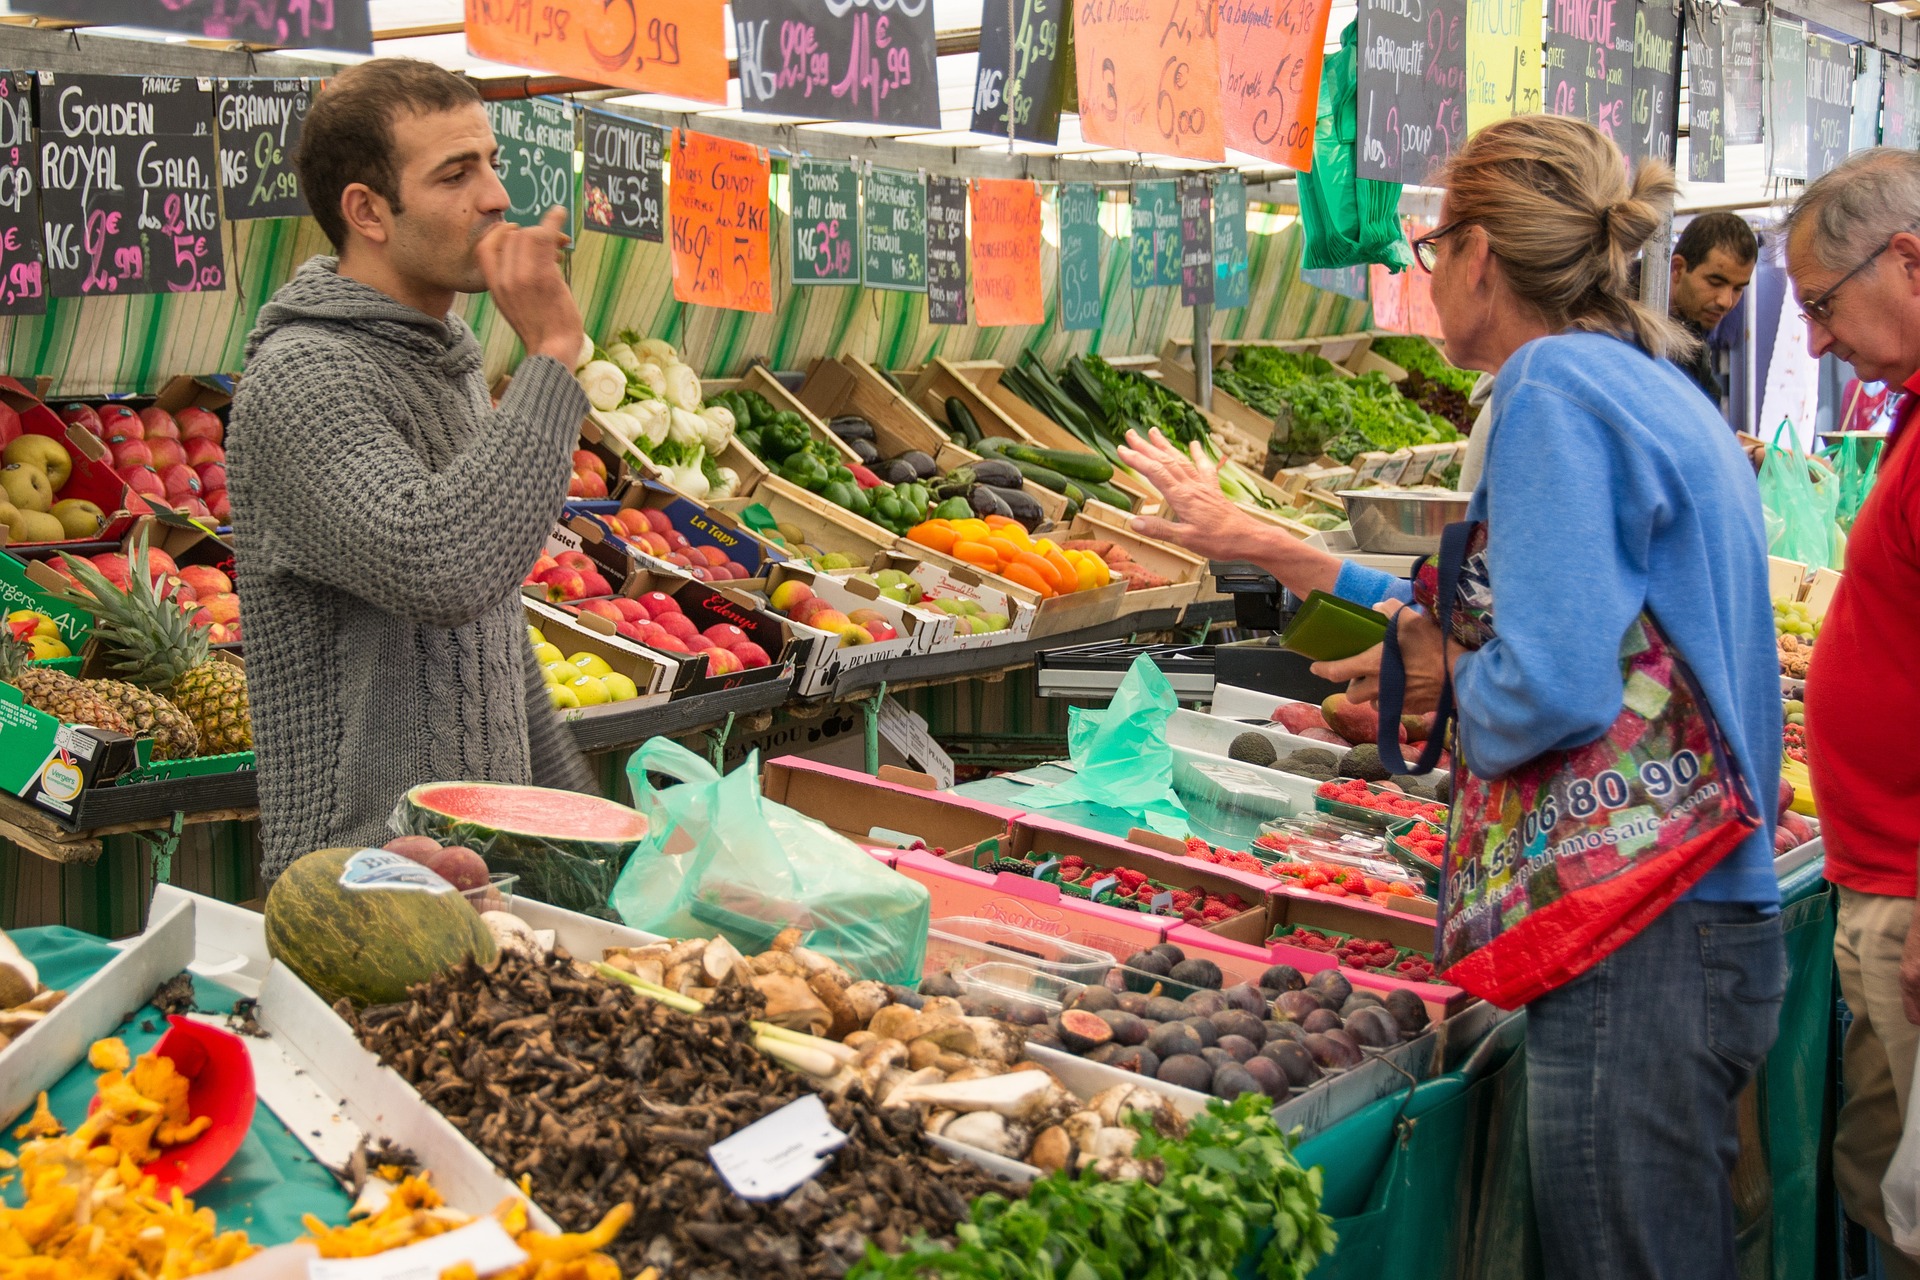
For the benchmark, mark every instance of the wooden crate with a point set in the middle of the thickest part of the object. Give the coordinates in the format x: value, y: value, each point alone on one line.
x: 1185, y: 571
x: 1052, y: 616
x: 1341, y: 349
x: 831, y: 528
x: 1048, y: 434
x: 758, y: 379
x: 850, y: 385
x: 638, y: 467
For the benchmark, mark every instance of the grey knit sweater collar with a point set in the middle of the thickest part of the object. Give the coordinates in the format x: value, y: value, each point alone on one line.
x: 319, y: 294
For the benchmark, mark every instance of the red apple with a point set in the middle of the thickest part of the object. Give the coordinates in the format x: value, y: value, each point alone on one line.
x: 677, y: 540
x: 180, y: 480
x: 678, y: 561
x: 563, y: 584
x: 700, y: 573
x: 185, y: 596
x: 213, y: 475
x: 221, y: 632
x: 216, y: 500
x: 681, y: 625
x: 752, y: 655
x: 585, y: 484
x: 200, y: 451
x: 653, y: 633
x: 578, y: 561
x: 161, y: 565
x: 118, y: 422
x: 131, y: 453
x: 81, y: 414
x: 115, y: 568
x: 144, y: 481
x: 200, y: 424
x: 159, y: 423
x: 631, y: 630
x: 166, y: 453
x: 670, y: 643
x: 654, y: 545
x: 205, y: 579
x: 588, y: 460
x: 190, y: 505
x: 880, y: 630
x: 725, y: 634
x: 632, y: 610
x: 632, y: 521
x: 723, y: 662
x: 602, y: 609
x: 657, y: 603
x: 540, y: 566
x: 224, y: 607
x: 595, y: 583
x: 658, y: 519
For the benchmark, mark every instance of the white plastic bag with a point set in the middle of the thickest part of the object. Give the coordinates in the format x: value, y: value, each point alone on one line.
x: 1900, y: 1189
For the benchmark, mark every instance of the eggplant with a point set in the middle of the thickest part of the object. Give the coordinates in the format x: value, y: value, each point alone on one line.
x: 1019, y: 505
x: 997, y: 472
x: 864, y: 449
x: 851, y: 427
x: 894, y: 470
x: 923, y: 468
x: 986, y: 502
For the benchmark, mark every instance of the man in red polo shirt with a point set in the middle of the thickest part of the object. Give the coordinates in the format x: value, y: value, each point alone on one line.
x: 1853, y: 250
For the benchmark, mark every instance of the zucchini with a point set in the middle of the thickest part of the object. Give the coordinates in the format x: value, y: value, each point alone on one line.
x: 1073, y: 465
x: 1106, y: 493
x: 960, y: 420
x: 1045, y: 477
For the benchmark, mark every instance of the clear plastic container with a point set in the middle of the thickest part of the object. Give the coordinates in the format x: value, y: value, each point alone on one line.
x: 495, y: 895
x: 1310, y: 835
x: 958, y: 943
x: 1228, y: 802
x: 1432, y: 810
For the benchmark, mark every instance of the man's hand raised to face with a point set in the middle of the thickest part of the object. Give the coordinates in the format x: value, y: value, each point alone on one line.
x: 522, y: 269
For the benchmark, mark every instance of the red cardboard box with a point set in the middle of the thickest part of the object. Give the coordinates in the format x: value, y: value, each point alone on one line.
x: 93, y: 479
x: 855, y: 804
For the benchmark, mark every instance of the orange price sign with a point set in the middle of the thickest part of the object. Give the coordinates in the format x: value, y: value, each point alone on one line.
x: 1006, y: 252
x: 717, y: 200
x: 659, y: 46
x: 1270, y: 53
x: 1149, y: 76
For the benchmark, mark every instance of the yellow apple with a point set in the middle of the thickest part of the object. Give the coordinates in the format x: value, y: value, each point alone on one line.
x: 546, y: 654
x: 535, y: 636
x: 45, y: 648
x: 619, y: 688
x: 562, y: 696
x: 589, y: 664
x: 590, y: 690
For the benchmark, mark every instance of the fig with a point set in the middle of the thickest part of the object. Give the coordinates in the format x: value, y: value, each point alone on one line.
x: 1359, y: 1000
x: 1319, y: 1021
x: 1197, y: 973
x: 1173, y: 954
x: 1096, y: 999
x: 1293, y: 1006
x: 1268, y: 1075
x: 1230, y: 1080
x: 1331, y: 1055
x: 1133, y: 1002
x: 1026, y: 1014
x: 1408, y: 1010
x: 1203, y: 1029
x: 1239, y: 1048
x: 1216, y: 1057
x: 420, y: 849
x: 1330, y: 988
x: 1340, y: 1037
x: 1373, y: 1028
x: 1165, y: 1009
x: 1046, y: 1037
x: 1127, y: 1029
x: 941, y: 984
x: 1150, y: 962
x: 1174, y: 1040
x: 1232, y: 1022
x: 1246, y: 998
x: 1082, y: 1032
x: 1204, y: 1003
x: 1282, y: 977
x: 1283, y: 1031
x: 1186, y: 1071
x: 1295, y: 1061
x: 1106, y: 1053
x: 1138, y: 1059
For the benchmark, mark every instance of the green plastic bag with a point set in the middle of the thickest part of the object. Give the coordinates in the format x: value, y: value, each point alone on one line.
x: 1801, y: 499
x: 1856, y: 464
x: 1347, y: 220
x: 1121, y: 755
x: 721, y: 858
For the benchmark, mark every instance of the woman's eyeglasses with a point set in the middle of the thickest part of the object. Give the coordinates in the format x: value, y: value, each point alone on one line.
x: 1426, y: 250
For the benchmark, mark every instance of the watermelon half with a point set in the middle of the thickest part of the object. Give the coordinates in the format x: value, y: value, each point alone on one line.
x: 567, y: 848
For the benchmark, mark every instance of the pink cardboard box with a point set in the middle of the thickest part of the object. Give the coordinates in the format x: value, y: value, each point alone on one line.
x: 960, y: 890
x: 854, y: 804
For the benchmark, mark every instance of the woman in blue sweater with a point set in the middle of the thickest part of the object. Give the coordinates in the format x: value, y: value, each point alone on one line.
x: 1611, y: 487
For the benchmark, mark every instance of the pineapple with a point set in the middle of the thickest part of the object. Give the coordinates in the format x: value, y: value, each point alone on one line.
x: 152, y: 716
x: 157, y: 647
x: 56, y: 693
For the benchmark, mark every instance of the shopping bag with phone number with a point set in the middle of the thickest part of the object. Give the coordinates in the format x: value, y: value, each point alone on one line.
x: 1551, y: 868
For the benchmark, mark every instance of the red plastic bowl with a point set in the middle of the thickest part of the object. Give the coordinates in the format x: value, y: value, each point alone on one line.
x: 222, y: 1073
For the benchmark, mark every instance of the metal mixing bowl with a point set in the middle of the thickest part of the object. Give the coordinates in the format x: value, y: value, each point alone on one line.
x: 1395, y: 522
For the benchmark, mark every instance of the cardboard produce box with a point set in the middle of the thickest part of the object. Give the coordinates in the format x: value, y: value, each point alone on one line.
x: 1051, y: 615
x: 830, y: 528
x: 655, y: 674
x: 940, y: 581
x: 706, y: 604
x: 27, y: 584
x: 881, y: 814
x: 50, y: 764
x: 701, y: 526
x: 92, y: 478
x: 829, y: 658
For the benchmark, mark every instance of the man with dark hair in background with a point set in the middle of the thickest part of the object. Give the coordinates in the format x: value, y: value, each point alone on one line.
x: 1713, y: 262
x: 385, y: 510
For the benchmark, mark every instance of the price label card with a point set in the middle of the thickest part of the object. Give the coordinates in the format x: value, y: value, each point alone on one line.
x: 1196, y: 240
x: 1149, y: 76
x: 1656, y: 81
x: 1787, y: 108
x: 1742, y: 79
x: 127, y: 173
x: 1829, y: 103
x: 1026, y: 75
x: 536, y: 156
x: 1270, y: 56
x: 1503, y: 60
x: 946, y: 251
x: 1707, y: 123
x: 894, y: 231
x: 1006, y: 252
x: 259, y: 128
x: 825, y: 222
x: 1412, y: 87
x: 718, y: 204
x: 675, y: 47
x: 1348, y: 282
x: 23, y: 290
x: 1900, y: 99
x: 1079, y: 213
x: 840, y: 61
x: 285, y: 24
x: 1229, y: 241
x: 625, y: 193
x: 1153, y: 249
x: 1590, y: 63
x: 777, y: 1153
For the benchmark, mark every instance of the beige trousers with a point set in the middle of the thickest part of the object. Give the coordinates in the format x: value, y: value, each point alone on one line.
x: 1876, y: 1061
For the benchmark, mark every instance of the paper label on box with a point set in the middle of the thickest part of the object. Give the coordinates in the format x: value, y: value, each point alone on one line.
x: 774, y: 1155
x: 483, y: 1243
x: 378, y: 869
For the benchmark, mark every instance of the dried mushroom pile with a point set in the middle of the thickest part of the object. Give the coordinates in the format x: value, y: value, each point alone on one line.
x: 601, y: 1098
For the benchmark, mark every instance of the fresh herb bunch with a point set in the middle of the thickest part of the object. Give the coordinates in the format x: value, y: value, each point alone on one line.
x: 1126, y: 400
x: 1230, y: 1181
x: 1419, y: 355
x: 1340, y: 417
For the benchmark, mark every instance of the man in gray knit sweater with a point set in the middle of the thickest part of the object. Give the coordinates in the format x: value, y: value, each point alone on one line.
x: 385, y: 511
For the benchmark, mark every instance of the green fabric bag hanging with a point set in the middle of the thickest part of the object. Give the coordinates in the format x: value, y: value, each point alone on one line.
x: 721, y: 858
x: 1347, y: 220
x: 1122, y: 757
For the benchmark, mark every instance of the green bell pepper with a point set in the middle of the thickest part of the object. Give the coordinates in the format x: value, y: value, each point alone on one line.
x: 806, y: 471
x: 839, y: 493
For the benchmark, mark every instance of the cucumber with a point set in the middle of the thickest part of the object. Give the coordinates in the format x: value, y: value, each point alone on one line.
x: 1108, y: 494
x: 1074, y: 466
x: 1045, y: 477
x: 960, y: 420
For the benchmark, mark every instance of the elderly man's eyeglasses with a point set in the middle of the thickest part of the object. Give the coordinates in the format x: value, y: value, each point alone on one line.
x: 1820, y: 310
x: 1426, y: 250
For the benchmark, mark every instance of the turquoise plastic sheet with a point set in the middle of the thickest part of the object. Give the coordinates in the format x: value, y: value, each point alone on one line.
x: 1124, y: 762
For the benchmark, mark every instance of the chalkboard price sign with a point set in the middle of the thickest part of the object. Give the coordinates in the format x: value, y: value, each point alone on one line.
x: 946, y: 250
x: 1829, y: 103
x: 285, y: 24
x: 1900, y: 126
x: 1656, y: 80
x: 259, y: 127
x: 894, y: 231
x: 536, y: 156
x: 1039, y: 75
x: 623, y: 188
x: 1868, y: 78
x: 1196, y: 240
x: 1229, y: 241
x: 1079, y: 256
x: 1707, y: 126
x: 1412, y: 87
x: 1590, y: 64
x: 1787, y: 107
x: 1154, y: 249
x: 128, y: 173
x: 840, y: 61
x: 825, y: 221
x: 1742, y: 82
x: 23, y: 285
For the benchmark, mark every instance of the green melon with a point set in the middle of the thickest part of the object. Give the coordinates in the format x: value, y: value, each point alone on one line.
x: 567, y: 848
x: 365, y: 938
